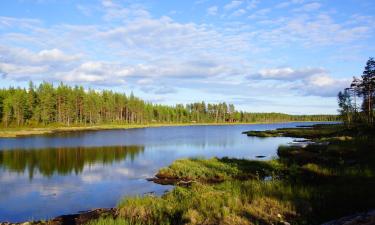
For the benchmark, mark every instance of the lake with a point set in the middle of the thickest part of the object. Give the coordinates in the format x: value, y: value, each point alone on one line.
x: 51, y: 175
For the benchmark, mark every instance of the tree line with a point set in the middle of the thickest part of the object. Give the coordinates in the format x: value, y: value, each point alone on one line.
x: 357, y: 102
x: 65, y: 105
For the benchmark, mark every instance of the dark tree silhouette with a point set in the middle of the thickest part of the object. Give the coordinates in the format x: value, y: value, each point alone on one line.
x: 363, y: 88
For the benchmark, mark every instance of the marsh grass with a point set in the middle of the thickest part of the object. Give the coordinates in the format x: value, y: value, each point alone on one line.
x: 230, y: 202
x: 315, y: 131
x: 308, y: 185
x: 111, y: 221
x: 217, y: 170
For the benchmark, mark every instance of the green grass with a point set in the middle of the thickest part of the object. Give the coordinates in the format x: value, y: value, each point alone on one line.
x: 217, y: 170
x: 316, y: 131
x: 111, y: 221
x: 294, y: 198
x: 308, y: 185
x: 230, y: 202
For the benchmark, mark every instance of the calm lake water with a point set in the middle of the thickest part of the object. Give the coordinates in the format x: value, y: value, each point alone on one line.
x: 46, y: 176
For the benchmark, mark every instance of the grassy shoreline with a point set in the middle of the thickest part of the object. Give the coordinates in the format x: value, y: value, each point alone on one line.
x: 306, y: 185
x: 26, y: 131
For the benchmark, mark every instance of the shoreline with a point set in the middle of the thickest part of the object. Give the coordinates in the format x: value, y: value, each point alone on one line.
x: 248, y: 167
x: 23, y: 132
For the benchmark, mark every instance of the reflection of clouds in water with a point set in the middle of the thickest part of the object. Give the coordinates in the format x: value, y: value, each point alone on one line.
x: 95, y: 187
x: 39, y: 187
x: 98, y: 176
x: 8, y: 177
x: 91, y: 178
x: 56, y: 190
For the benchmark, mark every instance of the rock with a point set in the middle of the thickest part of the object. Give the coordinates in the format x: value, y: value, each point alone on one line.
x: 366, y: 218
x: 73, y: 219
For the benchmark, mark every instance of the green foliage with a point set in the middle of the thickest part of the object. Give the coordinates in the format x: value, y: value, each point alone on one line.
x: 347, y: 110
x: 364, y: 88
x: 65, y: 106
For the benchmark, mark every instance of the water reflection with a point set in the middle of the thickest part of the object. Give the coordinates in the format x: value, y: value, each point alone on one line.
x: 64, y: 161
x: 46, y: 176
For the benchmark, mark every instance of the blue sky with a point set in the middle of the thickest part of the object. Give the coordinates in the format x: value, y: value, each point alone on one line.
x: 289, y: 56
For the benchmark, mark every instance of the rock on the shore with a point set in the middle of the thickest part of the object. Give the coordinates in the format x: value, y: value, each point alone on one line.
x: 366, y: 218
x: 73, y: 219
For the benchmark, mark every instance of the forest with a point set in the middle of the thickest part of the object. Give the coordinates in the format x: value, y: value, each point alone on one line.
x: 64, y: 105
x: 356, y: 103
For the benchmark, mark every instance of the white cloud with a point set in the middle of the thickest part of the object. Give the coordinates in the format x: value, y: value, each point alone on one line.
x: 95, y: 72
x: 233, y: 4
x: 55, y: 54
x: 10, y: 22
x: 239, y: 12
x: 309, y: 7
x: 321, y: 80
x: 14, y: 71
x: 145, y: 81
x: 143, y: 48
x: 106, y: 73
x: 288, y: 3
x: 21, y: 63
x: 114, y: 11
x: 43, y: 57
x: 286, y: 73
x: 130, y: 46
x: 160, y: 89
x: 323, y: 85
x: 314, y: 30
x: 212, y: 11
x: 85, y: 9
x: 252, y: 4
x: 307, y: 81
x: 260, y: 13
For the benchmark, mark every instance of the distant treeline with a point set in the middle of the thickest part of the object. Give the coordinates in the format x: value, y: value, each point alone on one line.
x: 66, y: 105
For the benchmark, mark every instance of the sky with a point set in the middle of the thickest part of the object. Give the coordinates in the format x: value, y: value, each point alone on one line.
x: 290, y: 56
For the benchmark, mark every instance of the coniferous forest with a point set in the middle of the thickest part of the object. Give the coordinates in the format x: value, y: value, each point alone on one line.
x: 356, y: 102
x: 65, y: 105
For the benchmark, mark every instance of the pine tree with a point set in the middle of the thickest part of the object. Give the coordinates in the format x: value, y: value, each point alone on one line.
x: 46, y: 94
x: 368, y: 88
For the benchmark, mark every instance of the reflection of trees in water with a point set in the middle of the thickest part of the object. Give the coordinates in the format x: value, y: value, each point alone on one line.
x: 64, y: 161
